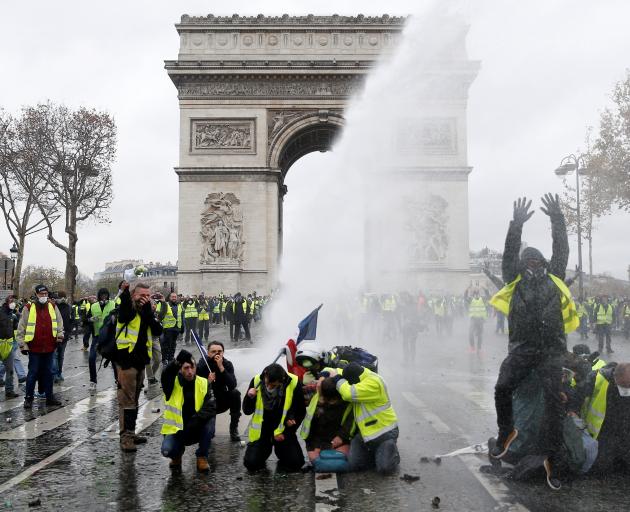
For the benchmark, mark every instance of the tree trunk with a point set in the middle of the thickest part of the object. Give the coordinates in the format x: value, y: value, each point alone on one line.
x: 17, y: 270
x: 71, y: 268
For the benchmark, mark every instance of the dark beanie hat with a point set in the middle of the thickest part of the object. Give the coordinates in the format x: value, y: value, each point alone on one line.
x: 352, y: 372
x: 40, y: 288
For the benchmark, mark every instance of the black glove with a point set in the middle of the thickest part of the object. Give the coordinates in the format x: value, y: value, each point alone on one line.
x: 184, y: 357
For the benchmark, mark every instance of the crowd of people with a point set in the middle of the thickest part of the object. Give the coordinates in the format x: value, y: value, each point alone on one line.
x: 577, y: 405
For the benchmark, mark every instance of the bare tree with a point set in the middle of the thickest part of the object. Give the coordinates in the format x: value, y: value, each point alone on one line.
x: 79, y: 147
x: 20, y: 182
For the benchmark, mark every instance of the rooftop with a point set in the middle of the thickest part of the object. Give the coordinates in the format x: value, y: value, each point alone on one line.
x: 285, y: 19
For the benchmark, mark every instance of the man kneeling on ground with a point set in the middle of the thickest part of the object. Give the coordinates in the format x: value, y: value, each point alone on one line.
x: 375, y: 445
x: 221, y: 375
x: 276, y: 400
x: 189, y: 411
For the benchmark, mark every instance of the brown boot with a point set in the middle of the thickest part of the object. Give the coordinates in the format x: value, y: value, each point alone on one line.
x: 202, y: 464
x: 176, y: 462
x: 126, y: 442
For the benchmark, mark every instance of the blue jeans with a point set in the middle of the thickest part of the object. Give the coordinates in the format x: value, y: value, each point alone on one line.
x: 17, y: 364
x: 174, y: 445
x: 39, y: 368
x: 57, y: 362
x: 380, y: 454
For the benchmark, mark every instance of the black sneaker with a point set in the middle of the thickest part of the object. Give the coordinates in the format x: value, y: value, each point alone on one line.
x: 28, y: 403
x: 11, y: 394
x: 234, y: 436
x: 52, y: 401
x: 503, y: 444
x: 552, y: 480
x: 22, y: 380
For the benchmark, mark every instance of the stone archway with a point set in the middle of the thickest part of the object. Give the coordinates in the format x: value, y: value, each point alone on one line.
x: 256, y: 94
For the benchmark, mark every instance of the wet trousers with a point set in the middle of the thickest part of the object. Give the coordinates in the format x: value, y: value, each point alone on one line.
x: 154, y: 366
x: 190, y: 324
x: 289, y: 452
x: 168, y: 342
x: 8, y: 376
x: 475, y: 330
x: 58, y: 357
x: 603, y: 333
x: 514, y: 369
x: 231, y: 400
x: 174, y: 445
x: 237, y: 330
x: 129, y: 388
x: 88, y: 332
x: 380, y: 453
x: 39, y: 369
x: 203, y: 329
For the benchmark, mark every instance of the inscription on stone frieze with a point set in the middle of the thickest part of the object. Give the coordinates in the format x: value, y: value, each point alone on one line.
x: 223, y: 135
x: 333, y: 86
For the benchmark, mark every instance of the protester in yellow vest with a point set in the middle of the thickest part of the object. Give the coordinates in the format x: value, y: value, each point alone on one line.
x: 276, y: 401
x: 603, y: 401
x: 477, y: 313
x: 375, y: 444
x: 39, y: 331
x: 189, y: 412
x: 540, y: 312
x: 8, y: 322
x: 135, y: 329
x: 603, y: 314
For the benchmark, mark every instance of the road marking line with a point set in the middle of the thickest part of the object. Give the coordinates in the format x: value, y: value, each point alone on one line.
x: 326, y: 493
x: 430, y: 416
x: 42, y: 424
x: 31, y: 470
x: 14, y: 403
x: 495, y: 488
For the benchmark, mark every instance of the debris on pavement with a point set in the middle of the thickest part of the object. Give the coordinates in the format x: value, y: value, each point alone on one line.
x: 409, y: 478
x: 435, y: 502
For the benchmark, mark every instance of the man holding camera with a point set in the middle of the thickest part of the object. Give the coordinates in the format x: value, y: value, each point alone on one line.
x: 189, y: 411
x: 221, y: 376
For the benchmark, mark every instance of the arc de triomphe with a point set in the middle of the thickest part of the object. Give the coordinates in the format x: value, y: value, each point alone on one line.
x: 255, y: 95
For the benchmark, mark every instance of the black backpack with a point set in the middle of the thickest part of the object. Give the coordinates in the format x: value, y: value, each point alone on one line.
x: 340, y: 356
x: 106, y: 345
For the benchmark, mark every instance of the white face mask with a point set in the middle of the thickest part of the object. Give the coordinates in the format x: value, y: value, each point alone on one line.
x: 42, y: 300
x: 623, y: 391
x: 12, y: 305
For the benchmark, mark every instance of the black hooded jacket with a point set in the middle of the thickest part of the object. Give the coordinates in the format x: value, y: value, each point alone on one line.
x: 535, y: 317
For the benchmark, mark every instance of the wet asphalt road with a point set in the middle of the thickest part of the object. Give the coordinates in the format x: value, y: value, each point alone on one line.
x: 69, y: 458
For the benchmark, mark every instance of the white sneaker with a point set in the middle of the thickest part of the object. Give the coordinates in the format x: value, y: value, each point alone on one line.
x: 92, y: 388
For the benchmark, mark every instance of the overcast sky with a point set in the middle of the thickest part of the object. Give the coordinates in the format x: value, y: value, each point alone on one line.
x: 547, y: 69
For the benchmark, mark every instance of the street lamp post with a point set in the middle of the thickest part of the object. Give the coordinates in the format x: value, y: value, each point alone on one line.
x: 569, y: 164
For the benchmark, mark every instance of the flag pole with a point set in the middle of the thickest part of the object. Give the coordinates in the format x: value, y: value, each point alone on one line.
x: 201, y: 351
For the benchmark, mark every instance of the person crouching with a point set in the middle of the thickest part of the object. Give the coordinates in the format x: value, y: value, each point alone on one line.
x: 327, y: 428
x: 189, y: 411
x: 276, y: 401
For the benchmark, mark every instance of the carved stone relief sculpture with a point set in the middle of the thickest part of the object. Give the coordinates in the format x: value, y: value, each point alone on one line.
x: 427, y: 228
x: 222, y: 135
x: 222, y: 230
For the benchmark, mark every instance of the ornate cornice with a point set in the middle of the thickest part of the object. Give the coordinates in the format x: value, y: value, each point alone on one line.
x: 286, y: 20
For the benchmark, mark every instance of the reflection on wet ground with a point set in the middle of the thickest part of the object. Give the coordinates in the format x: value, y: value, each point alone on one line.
x: 69, y: 458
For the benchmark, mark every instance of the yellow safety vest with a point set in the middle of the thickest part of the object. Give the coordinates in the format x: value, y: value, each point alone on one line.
x: 6, y: 347
x: 594, y: 408
x: 604, y: 315
x: 503, y: 298
x: 223, y: 306
x: 217, y: 308
x: 257, y: 419
x: 191, y: 311
x: 204, y: 315
x: 626, y: 311
x: 129, y: 335
x: 169, y: 321
x: 172, y: 420
x: 305, y: 427
x: 581, y: 311
x: 373, y: 411
x: 32, y: 320
x: 477, y: 309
